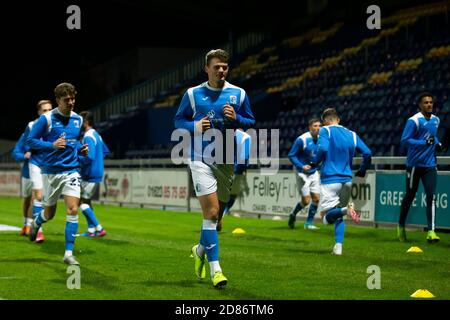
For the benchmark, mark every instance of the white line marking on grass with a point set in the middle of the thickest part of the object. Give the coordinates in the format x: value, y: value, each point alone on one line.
x: 4, y: 227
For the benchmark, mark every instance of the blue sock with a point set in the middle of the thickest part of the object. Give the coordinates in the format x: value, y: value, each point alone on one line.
x: 90, y: 215
x: 202, y: 238
x: 37, y: 208
x: 333, y: 215
x: 71, y: 231
x: 339, y: 228
x: 297, y: 208
x: 40, y: 219
x: 210, y: 240
x: 311, y: 213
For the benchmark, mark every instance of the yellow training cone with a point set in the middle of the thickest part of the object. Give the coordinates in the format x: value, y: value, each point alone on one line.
x: 422, y: 293
x: 415, y: 250
x: 238, y: 231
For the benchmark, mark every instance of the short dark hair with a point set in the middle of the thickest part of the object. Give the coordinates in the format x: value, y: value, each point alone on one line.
x: 64, y: 89
x: 313, y: 120
x: 41, y: 102
x: 221, y: 54
x: 423, y: 95
x: 330, y: 113
x: 87, y: 117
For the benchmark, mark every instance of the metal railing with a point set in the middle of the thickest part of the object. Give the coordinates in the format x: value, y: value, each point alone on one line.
x: 125, y: 163
x: 376, y: 161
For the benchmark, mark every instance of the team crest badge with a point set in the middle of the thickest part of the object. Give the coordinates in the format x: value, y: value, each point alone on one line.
x: 76, y: 123
x: 233, y: 99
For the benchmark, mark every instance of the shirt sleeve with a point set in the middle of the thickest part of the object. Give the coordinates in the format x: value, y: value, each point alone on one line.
x: 84, y: 160
x: 366, y: 153
x: 244, y: 116
x: 323, y: 144
x: 37, y: 132
x: 19, y: 149
x: 105, y: 149
x: 408, y: 133
x: 184, y: 116
x: 292, y: 155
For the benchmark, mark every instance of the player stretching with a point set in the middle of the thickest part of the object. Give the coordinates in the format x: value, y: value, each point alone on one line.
x: 91, y: 173
x: 220, y: 105
x: 308, y: 179
x: 420, y: 137
x: 336, y: 149
x: 60, y: 131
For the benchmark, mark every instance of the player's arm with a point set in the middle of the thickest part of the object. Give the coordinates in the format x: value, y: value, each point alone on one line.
x: 89, y: 158
x: 37, y: 132
x: 18, y: 153
x: 408, y: 134
x: 439, y: 145
x: 244, y: 115
x: 366, y: 153
x: 292, y: 155
x: 323, y: 143
x: 105, y: 150
x: 184, y: 116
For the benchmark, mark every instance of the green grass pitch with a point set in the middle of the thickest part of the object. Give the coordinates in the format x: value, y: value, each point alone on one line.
x: 145, y: 255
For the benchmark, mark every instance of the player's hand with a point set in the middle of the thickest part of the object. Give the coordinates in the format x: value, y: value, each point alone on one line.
x: 27, y: 155
x: 306, y: 167
x: 360, y: 173
x: 312, y: 164
x: 430, y: 140
x: 228, y: 112
x: 60, y: 143
x: 84, y: 150
x: 203, y: 124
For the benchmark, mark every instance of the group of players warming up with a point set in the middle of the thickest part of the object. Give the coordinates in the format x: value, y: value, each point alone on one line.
x: 322, y: 158
x: 62, y: 154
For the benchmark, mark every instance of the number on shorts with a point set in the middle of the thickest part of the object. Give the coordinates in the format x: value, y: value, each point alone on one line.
x: 74, y: 182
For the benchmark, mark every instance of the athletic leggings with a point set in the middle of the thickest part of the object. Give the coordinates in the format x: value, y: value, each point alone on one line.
x: 429, y: 181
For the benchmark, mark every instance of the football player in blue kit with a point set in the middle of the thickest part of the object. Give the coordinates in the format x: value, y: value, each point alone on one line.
x: 215, y: 104
x: 92, y: 169
x: 420, y: 138
x: 57, y: 134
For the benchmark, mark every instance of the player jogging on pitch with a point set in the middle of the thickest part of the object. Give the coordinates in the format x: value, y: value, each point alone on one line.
x: 220, y: 105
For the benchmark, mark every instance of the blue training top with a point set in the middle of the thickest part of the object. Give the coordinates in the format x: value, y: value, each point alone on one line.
x: 205, y: 100
x: 417, y: 130
x: 336, y: 148
x: 92, y: 165
x: 51, y: 126
x: 303, y: 152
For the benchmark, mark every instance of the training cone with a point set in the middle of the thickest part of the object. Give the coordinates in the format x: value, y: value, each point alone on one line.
x: 238, y: 231
x: 422, y: 293
x: 414, y: 250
